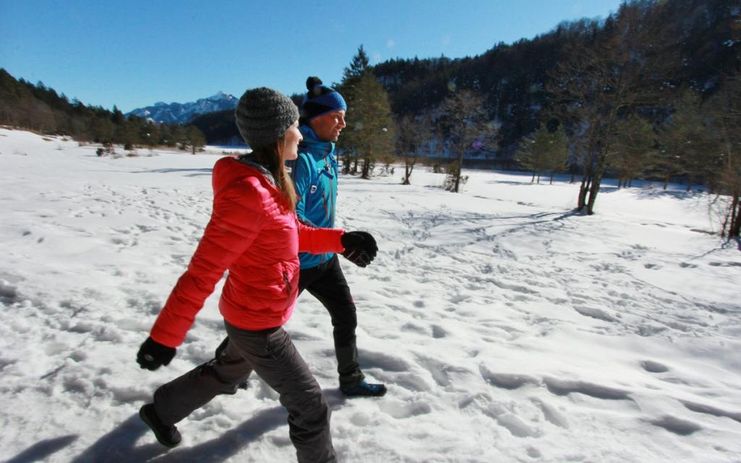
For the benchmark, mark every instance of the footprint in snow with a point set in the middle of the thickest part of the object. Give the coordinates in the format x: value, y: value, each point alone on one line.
x: 592, y: 312
x: 506, y: 380
x: 400, y: 410
x: 551, y: 414
x: 511, y: 422
x: 676, y: 425
x: 566, y: 387
x: 442, y: 372
x: 383, y: 361
x: 709, y: 410
x: 438, y: 332
x: 8, y: 293
x: 654, y: 367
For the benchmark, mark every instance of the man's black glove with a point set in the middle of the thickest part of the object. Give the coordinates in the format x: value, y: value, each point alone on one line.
x: 153, y: 355
x: 360, y: 247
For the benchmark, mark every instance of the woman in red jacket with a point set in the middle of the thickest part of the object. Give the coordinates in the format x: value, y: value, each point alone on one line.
x: 255, y: 235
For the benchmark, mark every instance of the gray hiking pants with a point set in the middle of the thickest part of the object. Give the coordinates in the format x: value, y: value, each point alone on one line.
x: 272, y: 355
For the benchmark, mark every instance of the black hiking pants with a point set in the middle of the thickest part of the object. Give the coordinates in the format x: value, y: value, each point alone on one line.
x: 327, y: 283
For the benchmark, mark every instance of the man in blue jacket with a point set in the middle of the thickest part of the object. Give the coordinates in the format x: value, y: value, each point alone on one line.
x: 315, y: 178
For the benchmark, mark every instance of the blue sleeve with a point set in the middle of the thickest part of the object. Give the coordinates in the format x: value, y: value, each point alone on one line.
x: 302, y: 182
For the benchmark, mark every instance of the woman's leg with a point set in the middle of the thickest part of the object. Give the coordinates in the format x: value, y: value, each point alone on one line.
x: 273, y: 356
x: 178, y: 398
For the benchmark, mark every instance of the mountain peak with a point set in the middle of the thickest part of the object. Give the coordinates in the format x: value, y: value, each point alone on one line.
x: 182, y: 113
x: 221, y: 96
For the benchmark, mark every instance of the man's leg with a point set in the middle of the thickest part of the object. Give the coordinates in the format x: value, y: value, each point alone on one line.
x: 328, y: 284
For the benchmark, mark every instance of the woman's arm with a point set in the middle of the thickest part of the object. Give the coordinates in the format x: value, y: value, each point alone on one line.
x: 235, y: 221
x: 319, y: 240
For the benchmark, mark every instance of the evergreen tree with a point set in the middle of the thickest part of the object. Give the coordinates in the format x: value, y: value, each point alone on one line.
x: 685, y: 139
x: 633, y: 149
x: 543, y: 151
x: 370, y: 130
x: 358, y: 66
x: 195, y: 138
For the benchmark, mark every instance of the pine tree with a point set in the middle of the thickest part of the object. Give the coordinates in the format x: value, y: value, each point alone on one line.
x: 543, y: 151
x: 195, y: 138
x: 684, y: 140
x: 633, y: 149
x: 370, y: 130
x: 358, y: 66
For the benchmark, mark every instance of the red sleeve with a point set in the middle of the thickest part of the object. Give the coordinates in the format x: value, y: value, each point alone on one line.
x: 319, y: 240
x: 235, y: 221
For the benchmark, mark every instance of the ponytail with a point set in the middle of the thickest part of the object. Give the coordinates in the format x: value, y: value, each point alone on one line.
x: 269, y: 157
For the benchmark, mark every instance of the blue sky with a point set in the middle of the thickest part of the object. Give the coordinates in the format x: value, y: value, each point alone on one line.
x: 133, y: 53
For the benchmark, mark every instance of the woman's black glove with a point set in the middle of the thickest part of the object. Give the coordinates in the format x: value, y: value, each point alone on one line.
x: 360, y: 247
x: 153, y: 355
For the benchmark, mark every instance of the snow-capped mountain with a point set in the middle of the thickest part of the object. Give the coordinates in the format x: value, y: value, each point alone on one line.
x: 182, y: 113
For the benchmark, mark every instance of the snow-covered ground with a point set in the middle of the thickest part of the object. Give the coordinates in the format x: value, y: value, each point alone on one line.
x: 507, y: 329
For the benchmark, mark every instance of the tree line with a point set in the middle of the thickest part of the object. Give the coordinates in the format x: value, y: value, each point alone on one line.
x: 651, y: 92
x: 41, y: 109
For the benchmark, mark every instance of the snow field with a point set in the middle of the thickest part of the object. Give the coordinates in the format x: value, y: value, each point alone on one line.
x: 506, y: 328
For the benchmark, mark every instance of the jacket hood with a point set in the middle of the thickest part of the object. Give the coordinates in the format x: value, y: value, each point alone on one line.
x: 312, y: 144
x: 229, y: 169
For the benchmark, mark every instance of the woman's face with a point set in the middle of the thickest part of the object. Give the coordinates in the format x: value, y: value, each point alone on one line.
x: 289, y: 144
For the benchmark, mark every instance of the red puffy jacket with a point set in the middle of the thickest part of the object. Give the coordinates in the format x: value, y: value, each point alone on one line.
x: 253, y: 235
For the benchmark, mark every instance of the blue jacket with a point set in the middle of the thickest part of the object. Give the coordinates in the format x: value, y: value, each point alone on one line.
x: 315, y: 177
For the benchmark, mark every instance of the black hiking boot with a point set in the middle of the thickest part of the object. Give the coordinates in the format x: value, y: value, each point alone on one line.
x: 167, y: 434
x: 364, y: 389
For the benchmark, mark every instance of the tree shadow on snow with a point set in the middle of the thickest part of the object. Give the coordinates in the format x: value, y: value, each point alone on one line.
x: 186, y: 172
x: 40, y: 451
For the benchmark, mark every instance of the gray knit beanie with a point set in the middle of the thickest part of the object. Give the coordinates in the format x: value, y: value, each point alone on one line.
x: 263, y: 115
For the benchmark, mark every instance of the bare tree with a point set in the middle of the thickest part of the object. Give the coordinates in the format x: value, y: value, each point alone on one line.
x: 603, y: 79
x: 726, y: 106
x: 413, y: 132
x: 464, y: 122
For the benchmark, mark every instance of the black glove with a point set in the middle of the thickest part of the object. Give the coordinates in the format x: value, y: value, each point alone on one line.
x: 153, y: 355
x: 360, y: 247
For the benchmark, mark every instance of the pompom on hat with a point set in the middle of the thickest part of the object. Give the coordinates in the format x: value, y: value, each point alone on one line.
x: 263, y: 116
x: 320, y: 99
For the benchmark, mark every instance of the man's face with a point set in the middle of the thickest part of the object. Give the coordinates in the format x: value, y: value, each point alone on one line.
x: 328, y: 126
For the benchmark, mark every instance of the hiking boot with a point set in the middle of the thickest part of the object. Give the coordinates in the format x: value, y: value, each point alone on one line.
x: 364, y: 389
x: 167, y: 434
